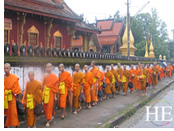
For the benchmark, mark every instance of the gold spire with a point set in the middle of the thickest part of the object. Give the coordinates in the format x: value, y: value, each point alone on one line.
x: 125, y: 39
x: 146, y: 52
x: 160, y: 57
x: 151, y: 54
x: 164, y: 57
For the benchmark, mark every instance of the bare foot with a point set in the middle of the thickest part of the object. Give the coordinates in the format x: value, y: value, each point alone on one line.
x: 75, y: 112
x: 79, y: 109
x: 47, y: 124
x: 89, y: 107
x: 34, y: 126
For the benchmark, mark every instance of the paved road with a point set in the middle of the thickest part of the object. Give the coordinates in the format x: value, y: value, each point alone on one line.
x: 138, y: 120
x: 96, y: 115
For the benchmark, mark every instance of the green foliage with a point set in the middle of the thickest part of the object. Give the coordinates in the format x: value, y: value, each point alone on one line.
x: 144, y: 24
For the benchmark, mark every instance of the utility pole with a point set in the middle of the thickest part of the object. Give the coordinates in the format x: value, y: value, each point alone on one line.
x: 128, y: 30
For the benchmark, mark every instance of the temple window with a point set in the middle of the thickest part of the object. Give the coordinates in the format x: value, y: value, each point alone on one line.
x: 33, y: 36
x: 7, y: 28
x: 58, y: 39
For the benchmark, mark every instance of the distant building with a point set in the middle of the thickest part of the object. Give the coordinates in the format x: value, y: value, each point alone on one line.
x: 111, y: 36
x: 48, y: 23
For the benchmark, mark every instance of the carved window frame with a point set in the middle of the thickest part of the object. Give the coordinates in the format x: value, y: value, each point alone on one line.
x: 33, y: 30
x: 58, y: 34
x: 8, y: 28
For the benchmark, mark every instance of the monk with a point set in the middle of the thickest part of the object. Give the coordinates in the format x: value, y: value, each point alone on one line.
x: 33, y: 96
x: 88, y: 86
x: 150, y: 75
x: 155, y: 75
x: 160, y: 72
x: 115, y: 78
x: 96, y: 76
x: 50, y: 87
x: 125, y: 80
x: 120, y: 75
x: 137, y: 81
x: 101, y: 83
x: 145, y: 76
x: 65, y: 84
x: 108, y: 81
x: 78, y: 81
x: 164, y: 72
x: 170, y: 70
x: 132, y: 77
x: 11, y: 88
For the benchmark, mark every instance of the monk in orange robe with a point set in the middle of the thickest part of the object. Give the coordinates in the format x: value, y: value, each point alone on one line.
x: 137, y: 81
x: 101, y: 83
x: 78, y: 81
x: 164, y: 72
x: 120, y: 75
x: 33, y: 96
x: 125, y: 80
x: 108, y: 81
x: 50, y: 87
x: 115, y: 75
x: 143, y: 81
x: 155, y: 75
x: 161, y: 72
x: 132, y: 78
x: 96, y: 76
x: 65, y: 84
x: 170, y: 70
x: 88, y: 86
x: 11, y: 88
x: 150, y: 75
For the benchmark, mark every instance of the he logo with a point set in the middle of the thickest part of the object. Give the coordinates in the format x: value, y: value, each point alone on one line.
x: 163, y: 113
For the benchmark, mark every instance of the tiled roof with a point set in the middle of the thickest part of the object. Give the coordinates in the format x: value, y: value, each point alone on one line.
x: 44, y: 8
x: 110, y: 31
x: 78, y: 42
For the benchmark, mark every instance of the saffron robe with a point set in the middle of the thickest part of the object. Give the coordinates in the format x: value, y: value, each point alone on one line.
x: 155, y: 77
x: 89, y: 81
x: 78, y: 80
x: 114, y: 72
x: 67, y: 79
x: 137, y: 81
x: 51, y: 81
x: 132, y: 78
x: 32, y: 88
x: 12, y: 83
x: 126, y: 73
x: 102, y: 76
x: 96, y: 75
x: 108, y: 80
x: 150, y: 76
x: 145, y: 73
x: 120, y: 75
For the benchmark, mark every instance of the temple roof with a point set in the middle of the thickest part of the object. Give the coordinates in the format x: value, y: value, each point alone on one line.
x: 50, y: 8
x: 110, y: 31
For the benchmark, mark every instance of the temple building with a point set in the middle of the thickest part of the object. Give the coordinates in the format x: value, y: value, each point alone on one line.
x: 111, y: 36
x: 48, y: 23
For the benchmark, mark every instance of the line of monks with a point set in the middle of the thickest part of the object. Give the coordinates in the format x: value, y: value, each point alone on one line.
x: 66, y: 88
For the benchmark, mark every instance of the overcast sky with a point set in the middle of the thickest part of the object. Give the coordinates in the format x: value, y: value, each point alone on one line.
x: 104, y: 8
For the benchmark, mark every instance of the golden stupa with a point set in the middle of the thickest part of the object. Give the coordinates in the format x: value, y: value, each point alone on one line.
x: 124, y: 47
x: 164, y: 57
x: 160, y: 57
x: 146, y: 52
x: 151, y: 54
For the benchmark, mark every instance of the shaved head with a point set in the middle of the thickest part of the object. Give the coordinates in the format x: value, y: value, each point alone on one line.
x: 7, y: 68
x: 86, y: 68
x: 49, y: 68
x: 107, y: 68
x: 61, y: 67
x: 49, y: 64
x: 112, y: 66
x: 31, y: 75
x: 119, y: 65
x: 77, y: 67
x: 93, y: 64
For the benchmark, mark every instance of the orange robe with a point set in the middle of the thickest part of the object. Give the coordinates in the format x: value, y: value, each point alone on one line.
x: 170, y: 70
x: 12, y: 83
x: 34, y: 88
x: 137, y: 81
x: 145, y: 72
x: 67, y: 79
x: 96, y: 75
x: 51, y: 81
x: 160, y: 72
x: 120, y: 74
x: 78, y: 80
x: 164, y: 72
x: 150, y: 76
x: 132, y: 78
x: 108, y: 81
x: 114, y: 72
x: 155, y: 77
x: 101, y: 80
x: 126, y: 73
x: 89, y: 81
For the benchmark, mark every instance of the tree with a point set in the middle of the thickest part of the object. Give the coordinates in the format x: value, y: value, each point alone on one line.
x: 144, y: 24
